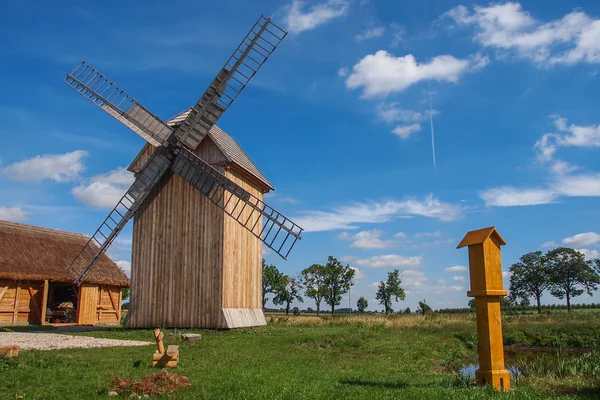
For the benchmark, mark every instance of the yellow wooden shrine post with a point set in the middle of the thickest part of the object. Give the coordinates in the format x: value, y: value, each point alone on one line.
x: 485, y: 270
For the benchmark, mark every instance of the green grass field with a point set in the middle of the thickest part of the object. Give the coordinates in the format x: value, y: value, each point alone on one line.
x: 346, y: 357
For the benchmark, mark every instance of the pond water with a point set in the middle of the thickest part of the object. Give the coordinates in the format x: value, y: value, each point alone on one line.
x: 520, y: 361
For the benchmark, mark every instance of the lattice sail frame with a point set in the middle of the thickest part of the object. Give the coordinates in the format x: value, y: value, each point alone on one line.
x: 254, y: 50
x: 250, y: 55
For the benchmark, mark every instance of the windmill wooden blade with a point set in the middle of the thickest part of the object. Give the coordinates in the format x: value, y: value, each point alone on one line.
x: 278, y: 232
x: 118, y: 217
x: 258, y: 44
x: 115, y: 101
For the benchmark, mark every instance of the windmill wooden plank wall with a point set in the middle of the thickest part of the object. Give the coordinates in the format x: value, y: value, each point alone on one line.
x: 192, y: 265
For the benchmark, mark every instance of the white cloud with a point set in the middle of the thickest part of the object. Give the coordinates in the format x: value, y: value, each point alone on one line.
x: 13, y: 214
x: 368, y: 240
x: 400, y: 235
x: 562, y: 181
x: 385, y: 261
x: 405, y: 131
x: 299, y: 20
x: 343, y: 72
x: 589, y: 254
x: 382, y: 73
x: 567, y: 136
x: 104, y: 191
x: 429, y: 234
x: 578, y: 185
x: 345, y: 217
x: 507, y: 196
x: 572, y: 39
x: 57, y: 167
x: 456, y: 268
x: 506, y: 274
x: 549, y: 244
x: 125, y: 266
x: 370, y: 33
x: 413, y: 279
x: 358, y: 274
x: 582, y: 239
x: 458, y: 278
x: 398, y: 32
x: 393, y: 113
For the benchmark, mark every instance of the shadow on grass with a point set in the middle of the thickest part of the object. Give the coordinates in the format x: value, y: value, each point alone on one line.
x: 28, y: 328
x: 382, y: 385
x: 581, y: 393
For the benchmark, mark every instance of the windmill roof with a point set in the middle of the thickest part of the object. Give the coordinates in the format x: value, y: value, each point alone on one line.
x: 33, y: 253
x: 229, y: 147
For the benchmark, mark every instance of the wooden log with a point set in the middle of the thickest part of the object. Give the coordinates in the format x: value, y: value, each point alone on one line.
x: 158, y: 336
x: 9, y: 351
x: 44, y: 303
x: 164, y: 357
x: 172, y: 350
x: 16, y: 308
x: 169, y: 364
x: 191, y: 336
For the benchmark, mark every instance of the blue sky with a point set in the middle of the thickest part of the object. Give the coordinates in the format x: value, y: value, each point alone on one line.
x: 338, y: 120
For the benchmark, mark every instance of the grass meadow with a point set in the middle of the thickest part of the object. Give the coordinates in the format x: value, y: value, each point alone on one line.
x: 308, y: 357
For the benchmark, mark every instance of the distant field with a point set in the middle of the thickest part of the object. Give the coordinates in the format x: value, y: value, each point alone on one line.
x: 341, y: 357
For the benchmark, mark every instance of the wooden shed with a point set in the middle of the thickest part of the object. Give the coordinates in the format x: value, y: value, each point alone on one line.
x: 193, y: 266
x: 35, y: 287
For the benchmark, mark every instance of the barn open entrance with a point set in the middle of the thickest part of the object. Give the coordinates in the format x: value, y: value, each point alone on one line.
x: 61, y: 306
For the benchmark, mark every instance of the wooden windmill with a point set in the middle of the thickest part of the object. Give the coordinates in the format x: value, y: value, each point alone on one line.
x: 199, y: 218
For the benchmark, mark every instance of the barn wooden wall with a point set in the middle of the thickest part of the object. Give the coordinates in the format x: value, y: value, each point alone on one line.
x: 87, y: 302
x: 175, y: 285
x: 108, y: 308
x: 20, y: 302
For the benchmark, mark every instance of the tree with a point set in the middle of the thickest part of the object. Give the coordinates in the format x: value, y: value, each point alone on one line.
x: 313, y: 279
x: 270, y: 280
x: 287, y: 291
x: 125, y: 292
x: 337, y: 281
x: 472, y: 304
x: 407, y: 311
x: 570, y: 274
x: 423, y: 308
x: 530, y: 277
x: 362, y: 304
x: 390, y: 290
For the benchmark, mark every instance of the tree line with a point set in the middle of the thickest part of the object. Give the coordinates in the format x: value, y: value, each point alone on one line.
x: 563, y: 272
x: 326, y: 284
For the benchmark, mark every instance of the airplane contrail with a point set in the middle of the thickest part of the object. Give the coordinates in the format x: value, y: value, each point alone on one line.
x: 432, y: 133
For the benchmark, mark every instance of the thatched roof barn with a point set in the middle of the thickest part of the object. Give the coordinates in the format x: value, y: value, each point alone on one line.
x: 35, y: 286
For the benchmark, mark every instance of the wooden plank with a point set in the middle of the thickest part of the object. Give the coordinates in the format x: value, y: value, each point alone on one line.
x: 32, y: 295
x: 9, y: 351
x: 87, y: 304
x: 172, y: 350
x: 17, y: 295
x: 44, y: 303
x: 3, y: 291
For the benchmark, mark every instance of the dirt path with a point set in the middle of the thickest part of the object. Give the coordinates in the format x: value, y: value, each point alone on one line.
x: 52, y: 341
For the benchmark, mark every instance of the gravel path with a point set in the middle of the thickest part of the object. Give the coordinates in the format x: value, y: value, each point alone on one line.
x: 52, y: 341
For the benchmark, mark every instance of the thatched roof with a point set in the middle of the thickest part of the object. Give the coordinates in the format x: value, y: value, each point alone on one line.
x: 34, y: 253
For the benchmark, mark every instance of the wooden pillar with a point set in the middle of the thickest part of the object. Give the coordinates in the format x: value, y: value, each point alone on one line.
x: 17, y: 295
x: 44, y: 303
x: 485, y: 271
